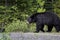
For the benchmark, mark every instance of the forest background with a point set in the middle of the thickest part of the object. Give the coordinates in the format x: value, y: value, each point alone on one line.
x: 14, y: 13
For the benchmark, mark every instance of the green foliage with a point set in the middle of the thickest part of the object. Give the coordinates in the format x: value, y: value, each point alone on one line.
x: 41, y: 10
x: 31, y: 5
x: 4, y: 36
x: 12, y: 11
x: 57, y: 7
x: 17, y: 26
x: 41, y: 5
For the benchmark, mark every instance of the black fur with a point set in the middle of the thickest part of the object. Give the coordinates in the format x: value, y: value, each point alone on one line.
x: 46, y: 18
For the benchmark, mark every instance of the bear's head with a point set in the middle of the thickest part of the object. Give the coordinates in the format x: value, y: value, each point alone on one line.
x: 32, y: 19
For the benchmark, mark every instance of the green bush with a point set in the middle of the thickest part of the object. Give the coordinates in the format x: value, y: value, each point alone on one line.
x: 4, y: 36
x: 19, y: 26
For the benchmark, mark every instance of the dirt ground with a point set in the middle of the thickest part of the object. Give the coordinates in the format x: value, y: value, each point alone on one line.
x: 35, y: 36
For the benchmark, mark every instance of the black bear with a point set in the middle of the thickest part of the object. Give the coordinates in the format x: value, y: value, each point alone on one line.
x: 45, y: 18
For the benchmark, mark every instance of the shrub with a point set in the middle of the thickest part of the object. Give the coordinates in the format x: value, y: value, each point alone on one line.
x: 19, y: 26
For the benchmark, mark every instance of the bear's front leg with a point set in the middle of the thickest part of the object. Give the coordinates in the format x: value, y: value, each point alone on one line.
x: 39, y: 28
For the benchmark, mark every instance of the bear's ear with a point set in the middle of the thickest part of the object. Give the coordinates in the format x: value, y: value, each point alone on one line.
x: 33, y: 16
